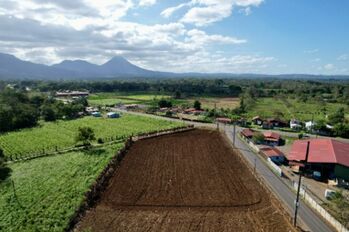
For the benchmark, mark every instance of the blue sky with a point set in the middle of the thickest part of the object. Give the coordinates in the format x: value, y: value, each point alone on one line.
x: 239, y: 36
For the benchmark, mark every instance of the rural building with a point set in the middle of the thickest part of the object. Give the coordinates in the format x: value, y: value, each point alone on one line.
x: 272, y: 138
x: 223, y: 120
x: 276, y: 122
x: 329, y: 157
x: 274, y: 154
x: 257, y: 120
x: 295, y: 124
x: 326, y: 130
x: 113, y: 115
x: 247, y: 133
x: 96, y: 114
x: 72, y: 94
x: 131, y: 106
x: 90, y: 109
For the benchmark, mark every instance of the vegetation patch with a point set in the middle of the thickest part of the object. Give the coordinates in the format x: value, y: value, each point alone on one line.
x: 59, y: 135
x: 47, y: 191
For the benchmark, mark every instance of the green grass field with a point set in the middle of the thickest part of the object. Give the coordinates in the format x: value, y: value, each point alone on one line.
x: 102, y: 99
x: 61, y: 134
x: 291, y: 108
x: 49, y: 189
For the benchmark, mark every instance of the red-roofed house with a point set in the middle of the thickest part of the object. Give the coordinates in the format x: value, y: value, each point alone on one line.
x: 223, y: 120
x: 272, y: 138
x: 247, y: 133
x: 327, y: 156
x: 274, y: 154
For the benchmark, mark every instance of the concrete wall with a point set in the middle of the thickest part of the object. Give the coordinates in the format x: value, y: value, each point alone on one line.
x: 318, y: 208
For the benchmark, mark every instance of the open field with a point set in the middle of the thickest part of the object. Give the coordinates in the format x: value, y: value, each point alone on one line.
x: 102, y: 99
x: 223, y: 102
x: 191, y: 181
x: 291, y: 108
x: 61, y: 134
x: 49, y: 189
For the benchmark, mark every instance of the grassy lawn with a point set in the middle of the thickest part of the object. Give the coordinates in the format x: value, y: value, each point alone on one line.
x: 291, y: 108
x: 49, y: 189
x: 61, y: 134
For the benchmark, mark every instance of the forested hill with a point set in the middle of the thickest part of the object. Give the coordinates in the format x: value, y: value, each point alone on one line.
x: 12, y: 68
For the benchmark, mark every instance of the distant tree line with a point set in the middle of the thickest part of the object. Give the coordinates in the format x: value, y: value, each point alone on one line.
x: 20, y: 110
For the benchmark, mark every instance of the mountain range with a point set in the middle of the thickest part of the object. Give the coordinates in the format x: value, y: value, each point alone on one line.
x: 12, y: 68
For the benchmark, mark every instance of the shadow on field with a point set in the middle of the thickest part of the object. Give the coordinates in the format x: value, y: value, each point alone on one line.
x: 97, y: 151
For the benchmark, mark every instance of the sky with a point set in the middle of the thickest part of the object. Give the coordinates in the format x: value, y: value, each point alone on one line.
x: 225, y: 36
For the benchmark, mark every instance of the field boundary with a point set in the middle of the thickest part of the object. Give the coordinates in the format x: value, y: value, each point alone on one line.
x: 92, y: 196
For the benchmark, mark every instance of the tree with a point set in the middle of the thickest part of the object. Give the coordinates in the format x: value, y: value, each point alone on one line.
x: 341, y: 130
x: 197, y: 105
x: 48, y: 113
x: 163, y: 103
x: 85, y: 135
x: 4, y: 171
x: 258, y: 138
x: 337, y: 117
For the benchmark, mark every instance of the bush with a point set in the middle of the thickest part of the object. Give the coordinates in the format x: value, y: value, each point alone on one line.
x: 100, y: 141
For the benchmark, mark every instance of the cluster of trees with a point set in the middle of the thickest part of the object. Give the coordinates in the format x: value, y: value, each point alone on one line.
x: 20, y: 110
x: 4, y: 171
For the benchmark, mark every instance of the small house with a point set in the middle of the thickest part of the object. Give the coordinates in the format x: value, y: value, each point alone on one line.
x: 247, y: 133
x: 274, y: 154
x: 96, y: 114
x: 272, y: 138
x: 223, y: 120
x: 295, y: 124
x: 276, y: 122
x: 257, y: 120
x: 113, y: 115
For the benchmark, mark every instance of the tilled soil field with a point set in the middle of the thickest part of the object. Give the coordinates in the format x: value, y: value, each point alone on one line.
x: 190, y: 181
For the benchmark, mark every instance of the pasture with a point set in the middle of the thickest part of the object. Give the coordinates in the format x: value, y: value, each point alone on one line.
x: 290, y: 108
x: 103, y: 99
x: 49, y: 137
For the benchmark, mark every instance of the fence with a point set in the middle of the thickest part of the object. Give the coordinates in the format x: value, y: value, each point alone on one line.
x: 275, y: 168
x: 331, y: 220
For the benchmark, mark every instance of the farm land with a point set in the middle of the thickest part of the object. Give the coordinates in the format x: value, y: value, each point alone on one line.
x: 187, y: 181
x: 266, y: 107
x: 52, y: 136
x: 47, y: 191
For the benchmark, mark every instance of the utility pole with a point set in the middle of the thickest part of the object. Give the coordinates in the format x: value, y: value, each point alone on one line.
x: 255, y: 164
x: 299, y: 185
x: 234, y: 134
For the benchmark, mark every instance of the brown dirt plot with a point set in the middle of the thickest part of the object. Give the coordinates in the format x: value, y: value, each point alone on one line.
x: 190, y: 181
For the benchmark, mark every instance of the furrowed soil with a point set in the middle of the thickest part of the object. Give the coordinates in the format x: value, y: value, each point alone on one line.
x: 190, y: 181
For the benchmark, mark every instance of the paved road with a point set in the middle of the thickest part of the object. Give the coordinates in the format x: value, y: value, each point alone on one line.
x: 308, y: 219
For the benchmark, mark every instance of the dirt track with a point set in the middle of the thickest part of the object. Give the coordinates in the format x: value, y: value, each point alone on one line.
x: 191, y: 181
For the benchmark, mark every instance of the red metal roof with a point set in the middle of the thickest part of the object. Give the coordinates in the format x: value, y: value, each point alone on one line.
x: 247, y: 132
x: 225, y: 120
x: 271, y: 135
x: 272, y: 151
x: 321, y: 151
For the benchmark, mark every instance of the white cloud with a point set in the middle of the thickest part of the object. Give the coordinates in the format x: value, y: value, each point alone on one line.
x: 343, y: 57
x: 48, y: 31
x: 200, y: 37
x: 147, y: 2
x: 171, y: 10
x: 203, y: 12
x: 329, y: 67
x: 312, y: 51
